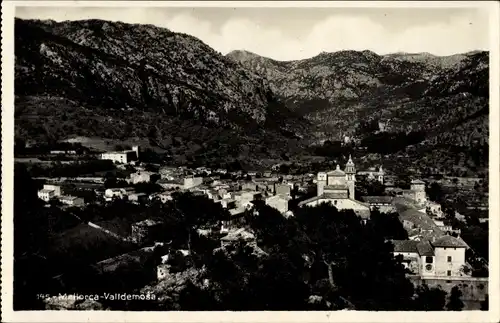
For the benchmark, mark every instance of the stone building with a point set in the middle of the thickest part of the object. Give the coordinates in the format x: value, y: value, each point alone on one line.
x: 382, y: 203
x: 444, y: 256
x: 49, y: 191
x: 142, y: 176
x: 123, y: 157
x: 337, y: 187
x: 71, y: 200
x: 373, y: 174
x: 279, y: 202
x: 416, y: 192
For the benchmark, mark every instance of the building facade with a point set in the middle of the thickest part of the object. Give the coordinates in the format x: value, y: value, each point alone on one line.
x: 49, y: 191
x: 278, y: 202
x: 337, y: 187
x: 374, y: 174
x: 443, y: 257
x: 122, y: 157
x: 71, y: 200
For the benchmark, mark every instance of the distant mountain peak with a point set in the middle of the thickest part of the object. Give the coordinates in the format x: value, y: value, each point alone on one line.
x: 242, y: 55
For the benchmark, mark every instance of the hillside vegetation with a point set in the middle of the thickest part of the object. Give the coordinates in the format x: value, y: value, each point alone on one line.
x: 115, y: 80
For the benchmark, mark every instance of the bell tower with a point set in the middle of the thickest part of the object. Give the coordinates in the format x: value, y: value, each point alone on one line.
x: 350, y: 173
x: 322, y: 178
x: 381, y: 174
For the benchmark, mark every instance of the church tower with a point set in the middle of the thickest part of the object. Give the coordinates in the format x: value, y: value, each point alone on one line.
x: 350, y: 173
x: 322, y: 178
x: 381, y: 174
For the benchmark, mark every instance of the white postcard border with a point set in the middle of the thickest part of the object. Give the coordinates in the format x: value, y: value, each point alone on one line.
x: 8, y: 315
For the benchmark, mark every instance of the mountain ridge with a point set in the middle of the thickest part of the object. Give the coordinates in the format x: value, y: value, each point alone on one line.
x: 140, y: 80
x: 104, y: 79
x: 359, y: 76
x: 369, y: 98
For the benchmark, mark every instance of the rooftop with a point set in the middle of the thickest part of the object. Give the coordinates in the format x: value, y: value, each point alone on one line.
x: 423, y: 222
x: 449, y: 242
x: 147, y: 223
x: 424, y: 248
x: 139, y: 194
x: 405, y: 246
x: 236, y: 211
x: 335, y: 195
x: 328, y: 196
x: 337, y: 172
x: 279, y: 196
x: 167, y: 181
x: 335, y: 187
x: 377, y: 199
x: 139, y: 173
x: 68, y: 197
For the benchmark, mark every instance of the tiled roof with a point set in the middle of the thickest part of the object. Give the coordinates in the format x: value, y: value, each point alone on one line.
x: 312, y: 199
x: 425, y: 249
x: 68, y: 197
x: 236, y: 211
x: 166, y: 181
x: 377, y: 199
x: 449, y: 242
x: 417, y: 181
x: 405, y: 246
x: 336, y: 172
x: 335, y: 187
x: 362, y: 213
x: 336, y: 195
x: 424, y: 225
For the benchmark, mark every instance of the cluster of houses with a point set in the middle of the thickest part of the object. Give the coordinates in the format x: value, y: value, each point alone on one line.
x: 54, y: 192
x: 434, y: 250
x: 422, y: 218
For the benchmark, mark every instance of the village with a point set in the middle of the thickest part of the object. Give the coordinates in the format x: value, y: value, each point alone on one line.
x: 434, y: 254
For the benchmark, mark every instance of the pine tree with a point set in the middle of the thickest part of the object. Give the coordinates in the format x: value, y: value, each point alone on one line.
x: 454, y: 301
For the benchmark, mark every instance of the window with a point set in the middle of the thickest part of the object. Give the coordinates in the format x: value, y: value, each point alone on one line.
x: 428, y: 260
x: 449, y: 273
x: 335, y: 202
x: 449, y: 258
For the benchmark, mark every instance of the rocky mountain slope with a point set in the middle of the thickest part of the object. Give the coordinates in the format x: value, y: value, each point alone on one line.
x: 419, y: 111
x: 116, y: 80
x: 406, y: 92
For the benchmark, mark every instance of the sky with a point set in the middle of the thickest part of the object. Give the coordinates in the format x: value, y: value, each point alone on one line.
x: 298, y: 33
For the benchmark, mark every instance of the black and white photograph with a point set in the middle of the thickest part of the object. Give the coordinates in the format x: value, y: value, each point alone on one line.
x: 248, y: 158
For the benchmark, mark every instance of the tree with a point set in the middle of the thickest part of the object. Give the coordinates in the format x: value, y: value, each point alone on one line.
x: 454, y: 301
x: 353, y: 256
x: 387, y: 225
x: 429, y: 299
x: 485, y: 304
x: 435, y: 192
x: 195, y: 212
